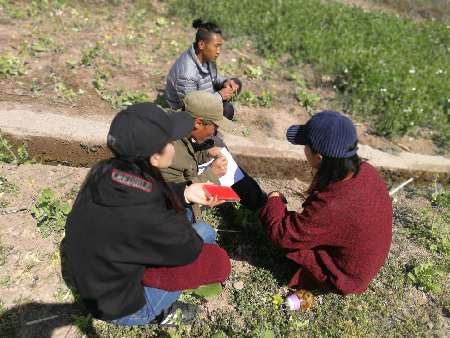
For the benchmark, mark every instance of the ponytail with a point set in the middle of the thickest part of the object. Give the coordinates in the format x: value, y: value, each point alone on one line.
x: 204, y: 30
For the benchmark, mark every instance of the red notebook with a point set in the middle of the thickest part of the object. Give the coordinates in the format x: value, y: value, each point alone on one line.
x: 222, y: 193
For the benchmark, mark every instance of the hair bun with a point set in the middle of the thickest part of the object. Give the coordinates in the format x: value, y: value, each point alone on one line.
x: 197, y: 23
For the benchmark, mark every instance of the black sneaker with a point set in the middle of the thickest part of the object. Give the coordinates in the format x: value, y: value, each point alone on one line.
x: 178, y: 313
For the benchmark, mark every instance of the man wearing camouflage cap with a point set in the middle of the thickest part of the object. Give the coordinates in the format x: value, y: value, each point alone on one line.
x: 207, y: 110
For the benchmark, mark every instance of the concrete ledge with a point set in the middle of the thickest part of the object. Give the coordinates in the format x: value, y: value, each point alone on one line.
x: 78, y: 141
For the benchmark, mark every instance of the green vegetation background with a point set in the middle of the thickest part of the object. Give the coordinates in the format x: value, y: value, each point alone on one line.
x: 392, y: 70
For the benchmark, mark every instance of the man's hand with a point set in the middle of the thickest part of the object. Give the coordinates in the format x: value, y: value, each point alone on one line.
x: 215, y: 152
x: 231, y: 84
x: 196, y: 194
x: 219, y: 166
x: 226, y: 93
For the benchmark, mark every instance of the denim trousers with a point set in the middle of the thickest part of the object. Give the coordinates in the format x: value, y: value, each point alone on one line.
x: 158, y: 300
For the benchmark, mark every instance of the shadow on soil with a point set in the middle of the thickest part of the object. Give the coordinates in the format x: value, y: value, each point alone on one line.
x: 41, y: 320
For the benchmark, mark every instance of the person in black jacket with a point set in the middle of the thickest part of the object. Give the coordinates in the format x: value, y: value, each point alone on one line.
x: 126, y: 218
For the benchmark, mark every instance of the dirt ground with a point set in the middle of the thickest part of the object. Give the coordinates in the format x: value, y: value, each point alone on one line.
x: 30, y: 276
x: 32, y: 288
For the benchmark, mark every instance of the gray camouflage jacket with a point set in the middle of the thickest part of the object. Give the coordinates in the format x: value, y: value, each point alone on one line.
x: 188, y: 74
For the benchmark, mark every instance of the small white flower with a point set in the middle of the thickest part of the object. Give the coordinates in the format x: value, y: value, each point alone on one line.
x: 383, y: 90
x: 412, y: 71
x: 345, y: 70
x: 439, y: 71
x: 413, y: 89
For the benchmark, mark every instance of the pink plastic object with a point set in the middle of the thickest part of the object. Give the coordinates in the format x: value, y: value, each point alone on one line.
x: 293, y: 302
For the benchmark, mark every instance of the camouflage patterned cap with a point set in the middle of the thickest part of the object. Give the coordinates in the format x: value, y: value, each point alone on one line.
x: 209, y: 107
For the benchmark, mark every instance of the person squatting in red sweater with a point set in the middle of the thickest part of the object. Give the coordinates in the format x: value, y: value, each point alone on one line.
x: 342, y: 237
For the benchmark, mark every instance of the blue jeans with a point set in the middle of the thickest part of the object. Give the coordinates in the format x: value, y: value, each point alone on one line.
x: 189, y: 214
x: 158, y: 300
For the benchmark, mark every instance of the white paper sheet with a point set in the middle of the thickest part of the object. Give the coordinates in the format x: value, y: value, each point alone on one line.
x: 234, y: 173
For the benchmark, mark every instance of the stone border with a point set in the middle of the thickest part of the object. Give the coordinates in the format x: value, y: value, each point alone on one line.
x: 78, y: 141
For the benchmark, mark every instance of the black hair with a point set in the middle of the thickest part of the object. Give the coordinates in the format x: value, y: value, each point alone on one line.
x: 140, y: 167
x: 334, y: 169
x: 204, y: 30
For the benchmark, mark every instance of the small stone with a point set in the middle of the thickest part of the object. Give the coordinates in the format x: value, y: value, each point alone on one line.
x: 239, y: 285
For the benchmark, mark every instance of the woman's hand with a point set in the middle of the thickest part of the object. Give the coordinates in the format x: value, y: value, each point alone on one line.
x: 279, y: 194
x: 196, y: 194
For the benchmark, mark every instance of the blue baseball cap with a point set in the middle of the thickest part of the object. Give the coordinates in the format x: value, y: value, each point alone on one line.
x: 329, y: 133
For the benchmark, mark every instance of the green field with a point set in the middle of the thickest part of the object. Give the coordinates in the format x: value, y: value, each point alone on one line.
x: 390, y: 70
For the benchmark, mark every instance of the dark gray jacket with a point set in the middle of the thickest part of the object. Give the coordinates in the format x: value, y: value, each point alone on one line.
x: 187, y: 75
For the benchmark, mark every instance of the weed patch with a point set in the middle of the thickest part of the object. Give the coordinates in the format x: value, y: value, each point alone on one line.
x: 50, y: 213
x: 121, y: 98
x: 11, y: 65
x: 64, y: 91
x: 9, y: 154
x: 89, y: 54
x: 427, y: 277
x: 41, y: 45
x: 249, y: 98
x: 429, y: 227
x: 254, y: 72
x: 307, y: 99
x: 441, y: 199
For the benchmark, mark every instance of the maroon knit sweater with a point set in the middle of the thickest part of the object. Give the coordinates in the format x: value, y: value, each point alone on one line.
x: 341, y: 238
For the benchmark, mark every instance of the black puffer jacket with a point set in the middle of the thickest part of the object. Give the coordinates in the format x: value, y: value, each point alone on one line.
x: 117, y: 228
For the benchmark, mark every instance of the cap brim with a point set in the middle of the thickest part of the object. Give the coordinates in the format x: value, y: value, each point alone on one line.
x: 225, y: 125
x: 183, y: 123
x: 296, y: 134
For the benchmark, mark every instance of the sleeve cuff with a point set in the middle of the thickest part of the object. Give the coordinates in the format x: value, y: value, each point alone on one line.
x: 178, y: 189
